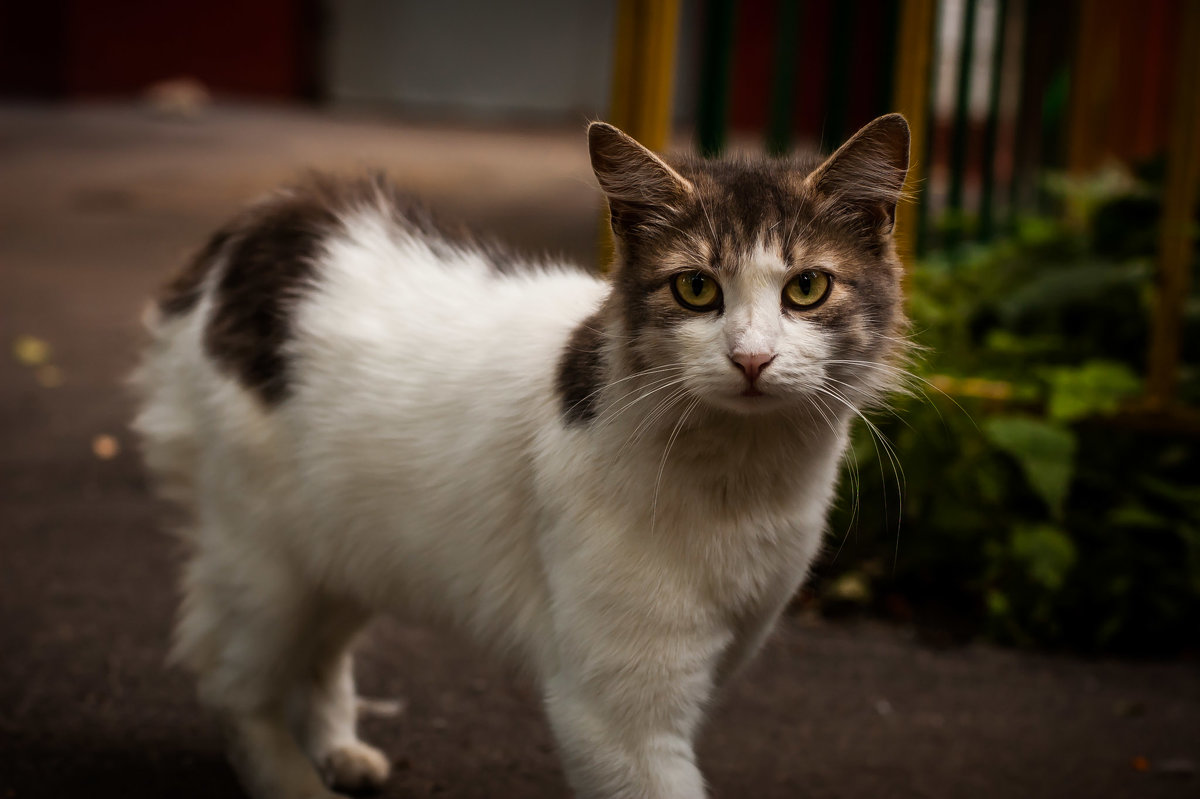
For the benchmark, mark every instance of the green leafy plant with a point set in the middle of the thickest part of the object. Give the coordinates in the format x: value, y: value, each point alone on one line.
x: 1044, y: 450
x: 1031, y: 504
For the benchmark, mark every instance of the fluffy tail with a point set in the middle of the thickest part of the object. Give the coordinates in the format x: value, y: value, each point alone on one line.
x: 165, y: 423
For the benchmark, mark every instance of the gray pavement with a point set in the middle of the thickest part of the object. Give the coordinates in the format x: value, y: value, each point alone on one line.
x: 98, y: 204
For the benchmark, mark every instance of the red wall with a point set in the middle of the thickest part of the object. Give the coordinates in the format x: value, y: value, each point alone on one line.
x: 111, y: 47
x: 867, y: 80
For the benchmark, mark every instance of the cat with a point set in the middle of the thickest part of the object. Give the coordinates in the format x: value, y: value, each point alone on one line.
x: 616, y: 485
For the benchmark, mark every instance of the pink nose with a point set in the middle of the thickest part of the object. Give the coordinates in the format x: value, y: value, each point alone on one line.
x: 752, y: 364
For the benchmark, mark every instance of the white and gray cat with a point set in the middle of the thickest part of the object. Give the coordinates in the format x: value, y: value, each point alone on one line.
x: 617, y: 484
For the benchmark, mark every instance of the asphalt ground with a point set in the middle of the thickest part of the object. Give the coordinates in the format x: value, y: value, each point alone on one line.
x: 99, y: 203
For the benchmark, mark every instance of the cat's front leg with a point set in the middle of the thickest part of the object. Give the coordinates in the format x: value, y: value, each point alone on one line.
x: 625, y: 742
x: 627, y: 697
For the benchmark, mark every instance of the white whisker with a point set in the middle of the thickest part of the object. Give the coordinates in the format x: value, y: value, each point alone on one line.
x: 661, y: 385
x: 606, y: 386
x: 893, y: 459
x: 663, y: 464
x: 904, y: 373
x: 653, y: 416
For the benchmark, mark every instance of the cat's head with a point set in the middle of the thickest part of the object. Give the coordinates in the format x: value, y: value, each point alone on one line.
x: 761, y: 283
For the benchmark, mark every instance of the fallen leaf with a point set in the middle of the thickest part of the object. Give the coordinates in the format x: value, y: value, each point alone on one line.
x: 105, y: 447
x: 851, y: 587
x: 31, y: 350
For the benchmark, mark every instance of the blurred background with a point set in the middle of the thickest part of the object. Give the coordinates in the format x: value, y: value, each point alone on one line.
x: 1010, y: 597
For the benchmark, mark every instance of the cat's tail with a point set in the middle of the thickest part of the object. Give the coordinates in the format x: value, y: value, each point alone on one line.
x: 166, y: 423
x: 170, y: 381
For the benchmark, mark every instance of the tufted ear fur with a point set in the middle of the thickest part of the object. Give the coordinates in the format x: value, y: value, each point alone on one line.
x: 866, y: 174
x: 640, y: 186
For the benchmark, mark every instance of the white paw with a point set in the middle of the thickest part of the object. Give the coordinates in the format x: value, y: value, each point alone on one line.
x: 355, y: 768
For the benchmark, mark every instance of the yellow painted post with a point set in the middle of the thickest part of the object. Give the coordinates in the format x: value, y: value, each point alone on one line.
x: 643, y: 80
x: 1176, y: 236
x: 914, y: 49
x: 644, y: 69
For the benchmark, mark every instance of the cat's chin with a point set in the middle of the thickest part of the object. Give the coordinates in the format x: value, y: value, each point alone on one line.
x: 748, y: 404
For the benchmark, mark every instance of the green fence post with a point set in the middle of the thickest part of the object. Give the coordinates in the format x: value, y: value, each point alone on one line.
x: 958, y: 144
x: 779, y: 130
x: 841, y: 40
x: 887, y: 55
x: 923, y: 148
x: 715, y: 67
x: 987, y: 208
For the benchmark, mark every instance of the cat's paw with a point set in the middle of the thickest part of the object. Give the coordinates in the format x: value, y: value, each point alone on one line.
x: 355, y: 768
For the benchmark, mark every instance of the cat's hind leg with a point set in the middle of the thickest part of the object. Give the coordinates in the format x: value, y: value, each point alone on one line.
x: 324, y: 707
x: 272, y: 654
x: 242, y: 630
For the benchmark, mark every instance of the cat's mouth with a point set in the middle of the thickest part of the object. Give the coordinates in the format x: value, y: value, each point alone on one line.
x: 751, y: 400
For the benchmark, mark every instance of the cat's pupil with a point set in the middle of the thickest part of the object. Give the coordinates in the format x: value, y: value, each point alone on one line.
x: 697, y: 284
x: 805, y: 283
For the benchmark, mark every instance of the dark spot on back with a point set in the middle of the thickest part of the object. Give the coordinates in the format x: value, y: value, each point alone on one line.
x: 270, y: 253
x: 580, y: 370
x: 267, y: 263
x: 181, y: 294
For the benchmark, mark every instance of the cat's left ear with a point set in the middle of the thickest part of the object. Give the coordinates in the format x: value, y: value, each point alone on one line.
x: 638, y: 183
x: 867, y: 173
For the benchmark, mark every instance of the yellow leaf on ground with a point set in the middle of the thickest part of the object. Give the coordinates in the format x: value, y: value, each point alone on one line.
x: 31, y: 350
x: 105, y: 447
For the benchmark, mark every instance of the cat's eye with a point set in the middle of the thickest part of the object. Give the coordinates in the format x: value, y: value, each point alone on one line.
x: 807, y: 289
x: 696, y: 290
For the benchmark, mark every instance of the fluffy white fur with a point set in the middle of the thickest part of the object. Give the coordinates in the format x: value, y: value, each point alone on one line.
x: 422, y: 466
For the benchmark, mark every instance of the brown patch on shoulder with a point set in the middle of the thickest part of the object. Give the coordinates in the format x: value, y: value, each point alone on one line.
x: 580, y: 370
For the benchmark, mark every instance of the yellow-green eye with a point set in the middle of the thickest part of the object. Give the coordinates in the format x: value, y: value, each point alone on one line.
x: 807, y: 289
x: 696, y: 290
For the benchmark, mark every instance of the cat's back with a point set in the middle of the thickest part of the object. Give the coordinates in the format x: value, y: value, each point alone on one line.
x: 344, y: 309
x: 339, y: 271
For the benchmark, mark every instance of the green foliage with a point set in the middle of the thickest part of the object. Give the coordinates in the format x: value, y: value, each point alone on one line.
x: 1045, y: 451
x: 1028, y: 503
x: 1096, y: 387
x: 1045, y: 552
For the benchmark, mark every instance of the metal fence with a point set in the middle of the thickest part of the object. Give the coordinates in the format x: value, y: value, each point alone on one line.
x: 997, y: 92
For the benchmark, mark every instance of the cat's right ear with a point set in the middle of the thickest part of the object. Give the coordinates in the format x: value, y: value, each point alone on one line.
x: 639, y: 184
